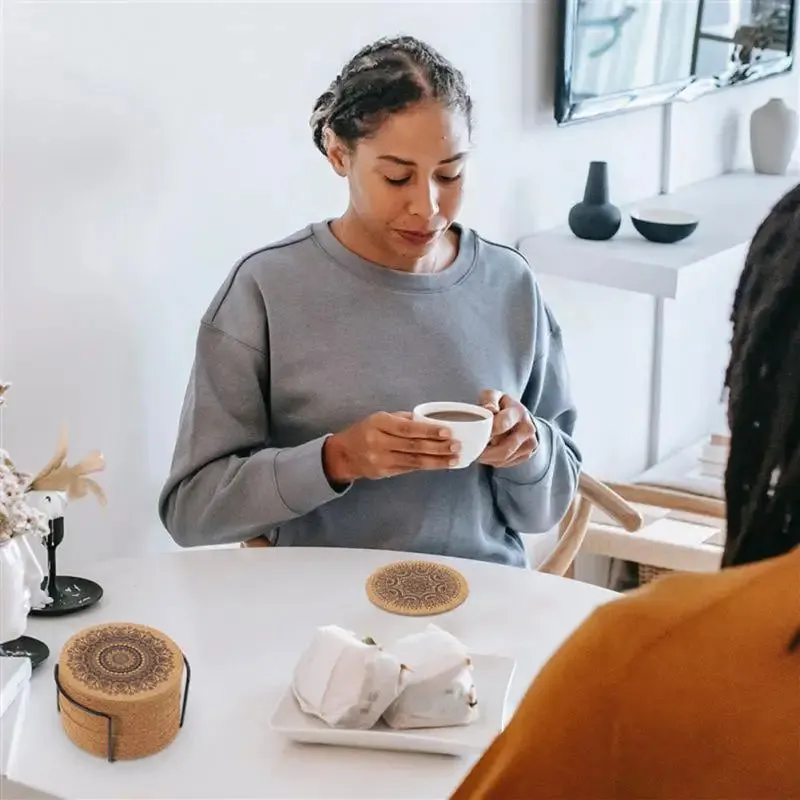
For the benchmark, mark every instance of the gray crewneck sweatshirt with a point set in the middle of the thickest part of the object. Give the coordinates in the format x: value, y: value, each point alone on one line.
x: 304, y: 338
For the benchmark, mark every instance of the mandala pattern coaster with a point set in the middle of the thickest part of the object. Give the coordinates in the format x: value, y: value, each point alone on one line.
x: 119, y: 690
x: 417, y: 588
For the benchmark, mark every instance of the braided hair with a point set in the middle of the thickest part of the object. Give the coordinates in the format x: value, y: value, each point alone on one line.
x: 383, y: 78
x: 762, y: 479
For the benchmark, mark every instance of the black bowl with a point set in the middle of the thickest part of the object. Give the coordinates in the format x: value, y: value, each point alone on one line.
x: 664, y: 225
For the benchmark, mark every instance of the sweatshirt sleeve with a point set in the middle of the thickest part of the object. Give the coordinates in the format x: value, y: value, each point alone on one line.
x: 226, y: 483
x: 534, y: 496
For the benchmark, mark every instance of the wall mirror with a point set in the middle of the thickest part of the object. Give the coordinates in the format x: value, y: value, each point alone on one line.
x: 618, y: 55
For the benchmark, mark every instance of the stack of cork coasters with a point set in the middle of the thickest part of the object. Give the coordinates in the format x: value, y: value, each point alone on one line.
x: 119, y: 689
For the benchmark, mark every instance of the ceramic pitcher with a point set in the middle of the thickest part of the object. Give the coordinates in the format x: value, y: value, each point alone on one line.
x: 15, y: 596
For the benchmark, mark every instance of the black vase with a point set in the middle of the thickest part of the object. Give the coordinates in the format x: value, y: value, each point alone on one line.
x: 595, y: 218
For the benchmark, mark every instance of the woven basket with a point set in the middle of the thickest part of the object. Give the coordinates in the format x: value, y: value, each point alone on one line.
x: 649, y: 573
x: 119, y: 690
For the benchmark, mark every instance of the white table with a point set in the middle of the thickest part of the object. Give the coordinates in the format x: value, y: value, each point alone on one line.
x: 243, y: 617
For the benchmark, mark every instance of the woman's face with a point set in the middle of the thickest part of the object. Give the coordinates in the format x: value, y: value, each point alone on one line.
x: 406, y: 180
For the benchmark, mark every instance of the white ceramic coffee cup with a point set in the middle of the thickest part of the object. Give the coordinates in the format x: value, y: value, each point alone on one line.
x: 473, y: 436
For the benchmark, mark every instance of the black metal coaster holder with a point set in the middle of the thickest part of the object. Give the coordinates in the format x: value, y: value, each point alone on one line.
x: 109, y: 719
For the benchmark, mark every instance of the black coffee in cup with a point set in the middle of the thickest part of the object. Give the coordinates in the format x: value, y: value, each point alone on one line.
x: 455, y: 416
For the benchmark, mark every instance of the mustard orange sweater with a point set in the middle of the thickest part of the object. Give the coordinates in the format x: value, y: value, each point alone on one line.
x: 686, y: 690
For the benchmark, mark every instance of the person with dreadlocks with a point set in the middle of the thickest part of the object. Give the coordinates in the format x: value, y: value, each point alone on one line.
x: 690, y: 688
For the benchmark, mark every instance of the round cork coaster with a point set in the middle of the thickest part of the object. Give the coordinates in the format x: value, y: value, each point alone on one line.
x: 123, y: 672
x: 417, y: 588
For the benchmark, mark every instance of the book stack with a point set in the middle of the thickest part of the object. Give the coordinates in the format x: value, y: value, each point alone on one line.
x: 714, y: 457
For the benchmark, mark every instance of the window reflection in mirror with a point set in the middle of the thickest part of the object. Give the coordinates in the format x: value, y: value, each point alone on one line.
x: 740, y: 33
x: 628, y: 45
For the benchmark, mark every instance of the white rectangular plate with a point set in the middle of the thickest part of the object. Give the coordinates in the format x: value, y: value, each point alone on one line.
x: 492, y: 675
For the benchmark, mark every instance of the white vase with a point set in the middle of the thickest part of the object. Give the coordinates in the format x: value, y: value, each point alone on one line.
x: 15, y: 597
x: 773, y: 136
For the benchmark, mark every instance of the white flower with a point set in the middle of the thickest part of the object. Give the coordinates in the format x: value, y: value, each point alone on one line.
x: 17, y: 518
x: 10, y: 487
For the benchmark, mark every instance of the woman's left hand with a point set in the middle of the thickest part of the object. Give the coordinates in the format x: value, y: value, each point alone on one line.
x: 514, y: 437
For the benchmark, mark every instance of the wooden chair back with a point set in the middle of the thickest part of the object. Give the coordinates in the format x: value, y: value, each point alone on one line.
x: 573, y: 527
x: 671, y: 499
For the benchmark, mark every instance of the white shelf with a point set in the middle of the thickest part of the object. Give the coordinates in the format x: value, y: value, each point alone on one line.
x: 730, y: 208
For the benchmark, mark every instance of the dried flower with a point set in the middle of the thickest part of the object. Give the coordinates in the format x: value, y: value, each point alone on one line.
x: 17, y: 518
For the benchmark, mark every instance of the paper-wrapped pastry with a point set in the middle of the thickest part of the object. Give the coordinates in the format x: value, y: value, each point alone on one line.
x: 438, y: 689
x: 344, y: 681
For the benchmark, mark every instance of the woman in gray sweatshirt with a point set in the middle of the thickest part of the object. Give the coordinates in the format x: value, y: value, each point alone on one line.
x: 296, y: 423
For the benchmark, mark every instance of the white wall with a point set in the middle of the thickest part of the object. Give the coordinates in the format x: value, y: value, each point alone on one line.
x: 147, y: 146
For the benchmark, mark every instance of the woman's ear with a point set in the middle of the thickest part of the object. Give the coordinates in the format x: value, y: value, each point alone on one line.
x: 338, y: 153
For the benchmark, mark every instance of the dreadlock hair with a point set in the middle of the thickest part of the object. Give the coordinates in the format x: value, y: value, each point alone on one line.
x: 762, y: 478
x: 383, y: 78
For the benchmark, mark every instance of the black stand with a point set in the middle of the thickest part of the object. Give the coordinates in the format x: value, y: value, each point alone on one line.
x: 26, y: 646
x: 69, y: 594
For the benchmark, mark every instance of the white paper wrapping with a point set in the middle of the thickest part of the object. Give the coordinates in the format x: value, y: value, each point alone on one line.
x: 345, y: 682
x: 437, y: 687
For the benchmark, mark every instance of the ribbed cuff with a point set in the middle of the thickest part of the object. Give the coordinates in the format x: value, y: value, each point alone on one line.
x: 538, y: 465
x: 300, y: 477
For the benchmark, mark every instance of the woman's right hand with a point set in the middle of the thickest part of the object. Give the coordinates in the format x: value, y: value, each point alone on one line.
x: 384, y: 445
